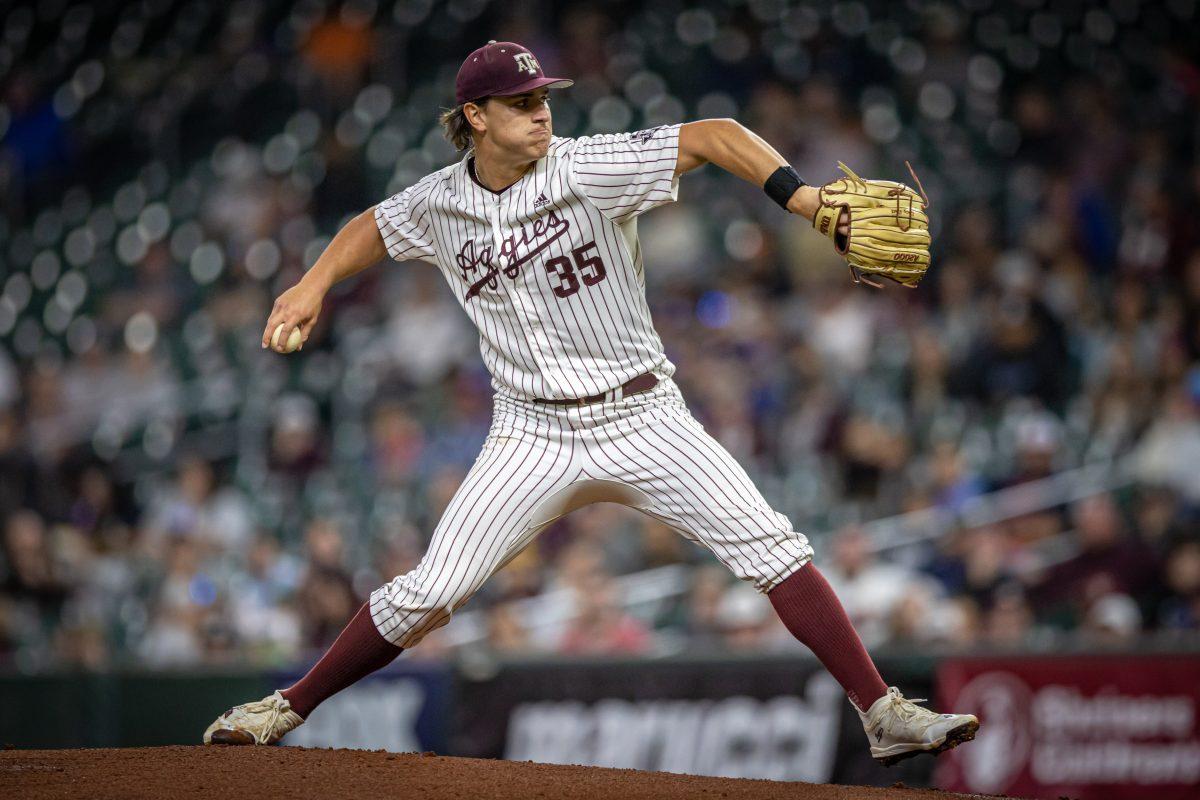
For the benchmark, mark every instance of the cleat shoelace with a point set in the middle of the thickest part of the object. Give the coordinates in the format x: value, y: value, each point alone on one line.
x: 904, y: 709
x: 263, y: 707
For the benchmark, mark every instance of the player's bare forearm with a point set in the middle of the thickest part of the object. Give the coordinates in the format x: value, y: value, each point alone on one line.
x: 737, y: 149
x: 357, y: 246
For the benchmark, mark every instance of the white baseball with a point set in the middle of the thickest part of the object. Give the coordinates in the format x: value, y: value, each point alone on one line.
x: 293, y: 342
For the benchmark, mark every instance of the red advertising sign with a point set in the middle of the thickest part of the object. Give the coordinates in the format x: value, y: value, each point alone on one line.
x: 1086, y: 727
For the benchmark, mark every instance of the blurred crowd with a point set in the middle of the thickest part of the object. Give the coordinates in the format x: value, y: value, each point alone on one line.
x: 172, y: 494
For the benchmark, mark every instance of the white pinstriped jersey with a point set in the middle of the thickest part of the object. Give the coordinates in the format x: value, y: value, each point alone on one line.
x: 550, y: 269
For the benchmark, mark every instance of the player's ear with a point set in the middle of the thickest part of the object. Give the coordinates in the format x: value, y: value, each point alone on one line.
x: 475, y: 114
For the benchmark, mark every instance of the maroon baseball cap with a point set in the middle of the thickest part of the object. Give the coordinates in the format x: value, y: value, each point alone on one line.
x: 500, y: 69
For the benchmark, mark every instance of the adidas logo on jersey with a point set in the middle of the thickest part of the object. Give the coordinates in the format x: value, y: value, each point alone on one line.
x: 541, y: 201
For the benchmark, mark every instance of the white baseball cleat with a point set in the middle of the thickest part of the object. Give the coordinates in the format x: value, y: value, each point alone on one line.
x: 899, y: 728
x: 264, y: 722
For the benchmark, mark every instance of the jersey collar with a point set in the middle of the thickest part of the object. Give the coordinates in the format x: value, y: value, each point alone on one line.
x: 469, y: 161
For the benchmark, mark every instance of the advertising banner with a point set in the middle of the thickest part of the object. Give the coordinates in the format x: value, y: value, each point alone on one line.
x: 786, y: 737
x: 403, y: 708
x: 1085, y: 727
x: 779, y: 719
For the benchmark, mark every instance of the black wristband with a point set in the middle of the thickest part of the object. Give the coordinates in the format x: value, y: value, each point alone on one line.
x: 782, y: 184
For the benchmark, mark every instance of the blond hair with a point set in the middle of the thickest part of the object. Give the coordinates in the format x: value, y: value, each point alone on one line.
x: 456, y: 127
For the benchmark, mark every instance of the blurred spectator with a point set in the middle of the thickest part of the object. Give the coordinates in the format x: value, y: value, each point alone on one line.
x: 97, y: 505
x: 397, y: 445
x: 174, y: 635
x: 520, y: 578
x: 326, y: 595
x: 266, y: 617
x: 1038, y: 437
x: 873, y: 449
x: 18, y: 471
x: 1022, y: 354
x: 1170, y: 450
x: 338, y: 49
x: 172, y: 640
x: 196, y: 507
x: 869, y: 589
x: 1009, y: 621
x: 923, y: 616
x: 975, y: 564
x: 108, y: 606
x: 427, y: 336
x: 701, y: 614
x: 600, y: 626
x: 953, y: 484
x: 296, y: 448
x: 661, y: 545
x: 506, y: 634
x: 1156, y: 516
x: 1109, y: 561
x: 613, y: 531
x: 32, y: 574
x: 1180, y: 609
x: 744, y: 618
x: 1113, y: 619
x: 576, y: 566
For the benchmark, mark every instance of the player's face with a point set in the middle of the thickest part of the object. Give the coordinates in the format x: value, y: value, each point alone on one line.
x: 521, y: 124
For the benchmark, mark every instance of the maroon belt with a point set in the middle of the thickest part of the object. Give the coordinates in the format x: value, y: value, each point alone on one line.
x: 642, y: 383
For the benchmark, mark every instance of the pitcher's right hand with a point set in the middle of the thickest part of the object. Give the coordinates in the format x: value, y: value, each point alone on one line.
x: 298, y: 307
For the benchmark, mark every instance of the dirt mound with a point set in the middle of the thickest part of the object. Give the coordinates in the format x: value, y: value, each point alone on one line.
x: 291, y: 773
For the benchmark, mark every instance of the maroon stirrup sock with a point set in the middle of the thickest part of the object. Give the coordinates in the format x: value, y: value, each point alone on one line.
x: 359, y: 650
x: 811, y: 611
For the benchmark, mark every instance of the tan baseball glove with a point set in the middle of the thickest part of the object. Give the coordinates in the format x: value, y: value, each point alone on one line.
x: 889, y: 231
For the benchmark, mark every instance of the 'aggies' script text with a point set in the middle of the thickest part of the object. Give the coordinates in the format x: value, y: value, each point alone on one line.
x: 544, y: 232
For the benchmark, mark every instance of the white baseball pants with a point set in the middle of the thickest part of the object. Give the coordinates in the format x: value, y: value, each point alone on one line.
x: 542, y: 461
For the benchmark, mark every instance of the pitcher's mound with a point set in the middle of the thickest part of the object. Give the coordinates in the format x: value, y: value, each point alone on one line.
x: 292, y: 773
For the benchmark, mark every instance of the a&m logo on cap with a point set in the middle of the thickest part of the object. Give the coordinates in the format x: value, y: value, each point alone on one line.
x: 527, y: 63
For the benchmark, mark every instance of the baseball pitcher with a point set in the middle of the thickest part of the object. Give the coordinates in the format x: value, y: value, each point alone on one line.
x: 537, y: 237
